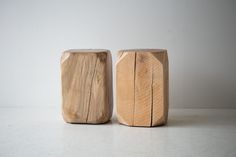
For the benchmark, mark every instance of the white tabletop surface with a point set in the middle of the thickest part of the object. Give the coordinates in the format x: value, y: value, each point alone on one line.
x: 41, y: 132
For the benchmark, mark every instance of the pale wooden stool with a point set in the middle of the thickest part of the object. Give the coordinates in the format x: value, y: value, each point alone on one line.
x: 86, y: 76
x: 142, y: 87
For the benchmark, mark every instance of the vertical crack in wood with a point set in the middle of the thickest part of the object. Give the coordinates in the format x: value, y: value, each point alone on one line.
x: 151, y: 98
x: 135, y: 56
x: 91, y: 90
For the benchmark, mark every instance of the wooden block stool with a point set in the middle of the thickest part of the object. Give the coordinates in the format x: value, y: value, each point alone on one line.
x: 142, y: 87
x: 86, y: 86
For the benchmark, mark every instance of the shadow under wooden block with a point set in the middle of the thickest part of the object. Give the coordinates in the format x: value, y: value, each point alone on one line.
x: 142, y: 87
x: 86, y: 76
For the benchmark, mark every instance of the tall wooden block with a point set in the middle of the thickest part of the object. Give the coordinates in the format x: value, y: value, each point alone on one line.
x: 142, y: 87
x: 86, y: 77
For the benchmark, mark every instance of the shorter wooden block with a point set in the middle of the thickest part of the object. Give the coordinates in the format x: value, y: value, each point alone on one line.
x: 86, y: 77
x: 142, y: 87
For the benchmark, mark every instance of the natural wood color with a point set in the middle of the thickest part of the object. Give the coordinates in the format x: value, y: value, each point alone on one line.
x: 86, y: 86
x: 142, y: 87
x: 125, y: 73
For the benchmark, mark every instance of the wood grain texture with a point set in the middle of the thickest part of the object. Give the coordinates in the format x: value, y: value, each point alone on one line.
x: 142, y: 87
x: 86, y: 86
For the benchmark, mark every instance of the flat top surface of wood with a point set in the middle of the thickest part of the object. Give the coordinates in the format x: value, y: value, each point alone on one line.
x: 143, y: 50
x: 86, y: 51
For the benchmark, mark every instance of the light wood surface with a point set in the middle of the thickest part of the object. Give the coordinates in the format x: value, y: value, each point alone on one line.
x: 86, y: 86
x: 142, y: 87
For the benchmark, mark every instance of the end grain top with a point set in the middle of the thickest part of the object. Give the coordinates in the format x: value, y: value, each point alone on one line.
x: 86, y: 51
x: 144, y: 50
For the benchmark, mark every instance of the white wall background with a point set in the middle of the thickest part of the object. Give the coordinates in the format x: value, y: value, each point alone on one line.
x: 200, y: 36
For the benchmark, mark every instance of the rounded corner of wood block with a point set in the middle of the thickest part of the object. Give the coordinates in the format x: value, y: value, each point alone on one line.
x: 160, y: 122
x: 122, y: 121
x: 64, y: 57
